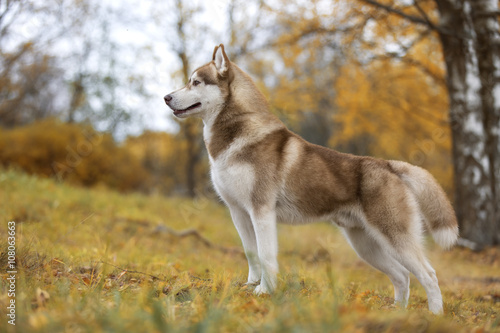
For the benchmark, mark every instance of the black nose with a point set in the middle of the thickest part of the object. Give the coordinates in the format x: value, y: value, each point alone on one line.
x: 167, y: 98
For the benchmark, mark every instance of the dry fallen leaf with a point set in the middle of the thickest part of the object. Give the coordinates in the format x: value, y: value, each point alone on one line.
x: 121, y: 274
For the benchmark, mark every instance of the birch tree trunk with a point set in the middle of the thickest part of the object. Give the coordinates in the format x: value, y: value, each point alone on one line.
x: 487, y: 45
x: 469, y: 44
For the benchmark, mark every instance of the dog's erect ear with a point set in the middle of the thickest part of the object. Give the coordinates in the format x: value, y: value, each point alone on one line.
x: 215, y: 51
x: 221, y: 60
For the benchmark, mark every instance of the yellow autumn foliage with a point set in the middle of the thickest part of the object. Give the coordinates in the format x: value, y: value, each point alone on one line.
x: 77, y: 153
x: 71, y: 152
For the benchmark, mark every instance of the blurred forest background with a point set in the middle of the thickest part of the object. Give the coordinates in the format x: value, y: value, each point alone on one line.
x: 82, y: 85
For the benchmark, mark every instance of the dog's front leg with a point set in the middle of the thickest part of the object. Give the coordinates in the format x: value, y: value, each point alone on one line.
x: 244, y: 226
x: 264, y: 224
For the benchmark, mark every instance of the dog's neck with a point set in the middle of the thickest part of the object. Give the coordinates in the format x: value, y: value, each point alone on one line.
x: 244, y: 113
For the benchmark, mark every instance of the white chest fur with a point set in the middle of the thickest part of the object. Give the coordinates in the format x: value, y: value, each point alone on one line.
x: 234, y: 179
x: 233, y: 182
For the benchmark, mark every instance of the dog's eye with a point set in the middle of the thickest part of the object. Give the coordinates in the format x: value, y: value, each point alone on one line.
x: 196, y: 82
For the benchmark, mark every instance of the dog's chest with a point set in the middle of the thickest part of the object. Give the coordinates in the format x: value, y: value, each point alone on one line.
x: 234, y: 182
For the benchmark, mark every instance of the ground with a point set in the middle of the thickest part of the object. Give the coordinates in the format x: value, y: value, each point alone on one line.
x: 93, y: 260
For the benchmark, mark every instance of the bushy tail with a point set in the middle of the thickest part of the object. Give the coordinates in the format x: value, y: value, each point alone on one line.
x: 438, y: 213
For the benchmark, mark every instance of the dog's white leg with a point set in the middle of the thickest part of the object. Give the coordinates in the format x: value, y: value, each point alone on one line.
x: 244, y: 226
x: 370, y: 251
x: 415, y: 261
x: 264, y: 224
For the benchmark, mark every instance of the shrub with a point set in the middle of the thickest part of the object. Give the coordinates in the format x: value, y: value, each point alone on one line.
x: 73, y: 152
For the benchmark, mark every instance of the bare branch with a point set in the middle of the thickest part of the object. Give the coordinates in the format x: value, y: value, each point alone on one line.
x: 150, y: 275
x: 182, y: 234
x: 414, y: 19
x: 403, y: 57
x: 13, y: 12
x: 319, y: 30
x: 415, y: 63
x: 424, y: 15
x: 134, y: 272
x: 196, y: 234
x: 440, y: 80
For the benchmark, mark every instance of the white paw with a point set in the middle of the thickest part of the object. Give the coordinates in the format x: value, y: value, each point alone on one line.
x: 253, y: 278
x: 436, y: 306
x: 403, y: 304
x: 260, y: 290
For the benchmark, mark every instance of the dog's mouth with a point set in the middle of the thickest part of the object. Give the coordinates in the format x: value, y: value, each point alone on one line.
x: 192, y: 107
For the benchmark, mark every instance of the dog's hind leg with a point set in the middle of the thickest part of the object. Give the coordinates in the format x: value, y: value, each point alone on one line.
x: 370, y: 251
x: 400, y: 233
x: 394, y: 219
x: 405, y: 246
x: 243, y: 224
x: 410, y: 254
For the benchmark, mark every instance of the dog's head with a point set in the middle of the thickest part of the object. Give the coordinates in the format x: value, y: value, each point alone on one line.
x: 207, y: 89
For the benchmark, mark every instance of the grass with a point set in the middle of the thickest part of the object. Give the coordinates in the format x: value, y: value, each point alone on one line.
x: 93, y: 260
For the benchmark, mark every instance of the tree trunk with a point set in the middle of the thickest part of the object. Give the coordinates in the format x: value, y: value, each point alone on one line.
x: 190, y: 129
x: 487, y: 46
x: 471, y: 123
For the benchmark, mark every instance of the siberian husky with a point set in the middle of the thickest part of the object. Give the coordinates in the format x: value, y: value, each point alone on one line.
x: 266, y: 174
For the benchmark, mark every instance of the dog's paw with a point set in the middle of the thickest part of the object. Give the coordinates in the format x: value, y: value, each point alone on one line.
x: 436, y: 306
x: 261, y: 290
x: 252, y: 282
